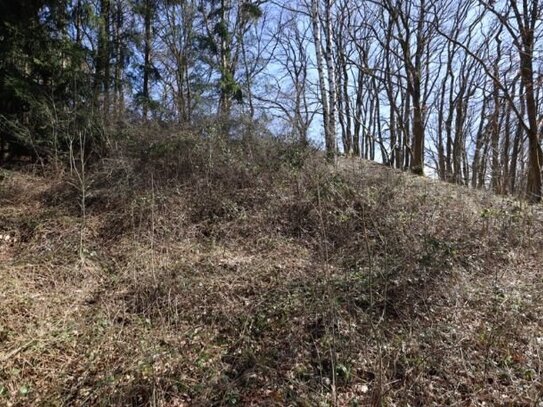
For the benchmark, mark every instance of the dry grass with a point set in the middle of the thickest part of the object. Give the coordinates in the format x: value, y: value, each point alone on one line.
x: 217, y: 274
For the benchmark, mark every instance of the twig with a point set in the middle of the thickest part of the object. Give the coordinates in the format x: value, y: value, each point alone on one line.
x: 14, y: 352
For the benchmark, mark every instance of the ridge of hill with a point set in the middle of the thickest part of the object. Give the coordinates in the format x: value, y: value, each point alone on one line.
x: 221, y: 275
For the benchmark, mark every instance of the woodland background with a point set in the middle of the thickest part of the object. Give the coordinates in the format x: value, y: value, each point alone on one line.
x: 452, y: 88
x: 219, y: 203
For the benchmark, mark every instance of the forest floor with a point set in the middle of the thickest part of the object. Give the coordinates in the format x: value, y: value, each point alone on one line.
x: 310, y: 285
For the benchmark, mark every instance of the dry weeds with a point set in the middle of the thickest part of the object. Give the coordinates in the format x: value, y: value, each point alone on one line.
x: 266, y: 278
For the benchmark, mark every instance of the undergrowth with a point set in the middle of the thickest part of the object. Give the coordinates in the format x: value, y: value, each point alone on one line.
x: 231, y: 272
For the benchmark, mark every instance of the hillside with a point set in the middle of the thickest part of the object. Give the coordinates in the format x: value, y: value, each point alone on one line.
x: 212, y: 274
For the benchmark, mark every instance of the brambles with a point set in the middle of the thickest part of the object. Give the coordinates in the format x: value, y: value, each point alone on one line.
x: 257, y: 277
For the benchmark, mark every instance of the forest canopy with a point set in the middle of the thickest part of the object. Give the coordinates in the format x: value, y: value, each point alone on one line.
x: 447, y: 88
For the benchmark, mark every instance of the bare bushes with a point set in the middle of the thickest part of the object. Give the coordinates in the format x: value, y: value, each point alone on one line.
x: 263, y: 273
x: 214, y: 178
x: 401, y: 236
x: 404, y: 237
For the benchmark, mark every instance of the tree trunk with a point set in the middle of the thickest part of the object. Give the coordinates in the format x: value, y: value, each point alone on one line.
x: 147, y: 67
x: 331, y: 74
x: 329, y: 136
x: 535, y: 155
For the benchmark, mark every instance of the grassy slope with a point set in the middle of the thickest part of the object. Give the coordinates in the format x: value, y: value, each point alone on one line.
x: 354, y: 285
